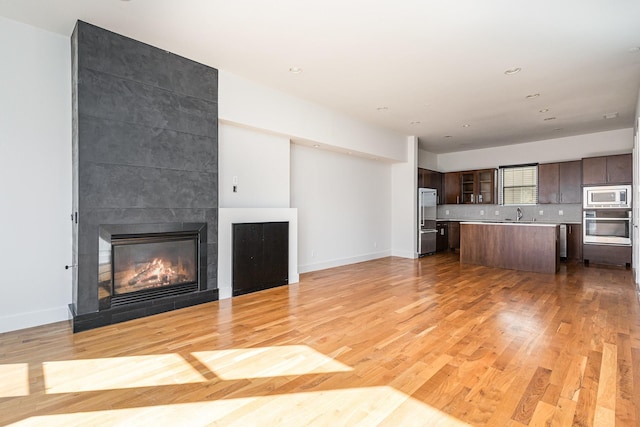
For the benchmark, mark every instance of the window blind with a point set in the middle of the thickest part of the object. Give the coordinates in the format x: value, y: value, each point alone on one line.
x: 518, y: 185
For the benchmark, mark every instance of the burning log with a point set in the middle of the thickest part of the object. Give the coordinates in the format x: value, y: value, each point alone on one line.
x: 145, y: 272
x: 153, y: 272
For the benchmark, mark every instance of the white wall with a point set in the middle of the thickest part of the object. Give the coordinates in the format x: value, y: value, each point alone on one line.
x: 404, y: 223
x: 344, y: 210
x: 427, y: 160
x: 35, y: 177
x: 551, y: 150
x: 250, y: 104
x: 260, y: 162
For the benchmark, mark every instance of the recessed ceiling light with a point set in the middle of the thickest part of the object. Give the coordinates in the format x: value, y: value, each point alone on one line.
x: 466, y: 125
x: 546, y: 119
x: 557, y: 129
x: 533, y: 95
x: 316, y: 146
x: 295, y: 70
x: 382, y: 108
x: 610, y: 116
x: 448, y: 136
x: 417, y: 122
x: 512, y: 71
x: 544, y: 110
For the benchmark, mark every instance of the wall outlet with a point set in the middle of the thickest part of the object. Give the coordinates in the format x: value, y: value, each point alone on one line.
x: 235, y: 188
x: 561, y: 212
x: 541, y: 212
x: 446, y: 212
x: 482, y: 212
x: 497, y: 213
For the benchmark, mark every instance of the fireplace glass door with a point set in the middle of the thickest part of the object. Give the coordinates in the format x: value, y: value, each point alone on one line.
x: 151, y: 262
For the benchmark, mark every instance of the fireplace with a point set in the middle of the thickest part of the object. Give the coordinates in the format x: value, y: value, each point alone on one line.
x: 145, y: 179
x: 148, y: 262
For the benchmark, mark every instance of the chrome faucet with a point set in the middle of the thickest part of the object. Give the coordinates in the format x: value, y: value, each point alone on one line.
x: 518, y: 214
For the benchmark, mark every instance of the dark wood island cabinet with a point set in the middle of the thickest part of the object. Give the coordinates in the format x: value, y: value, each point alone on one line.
x: 515, y: 246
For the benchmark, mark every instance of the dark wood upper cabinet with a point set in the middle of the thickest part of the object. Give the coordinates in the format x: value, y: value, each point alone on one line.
x: 548, y: 183
x: 607, y: 170
x: 431, y: 179
x: 560, y: 182
x: 620, y: 169
x: 570, y: 182
x: 421, y: 178
x: 452, y: 188
x: 478, y: 186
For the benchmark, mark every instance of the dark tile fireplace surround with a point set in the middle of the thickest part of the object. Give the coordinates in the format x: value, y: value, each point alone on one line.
x: 145, y: 179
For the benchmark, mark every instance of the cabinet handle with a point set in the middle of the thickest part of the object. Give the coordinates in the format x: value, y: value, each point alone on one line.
x: 457, y: 200
x: 570, y: 229
x: 472, y: 199
x: 560, y: 197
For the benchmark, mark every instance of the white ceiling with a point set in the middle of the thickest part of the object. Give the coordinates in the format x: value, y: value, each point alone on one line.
x: 434, y: 65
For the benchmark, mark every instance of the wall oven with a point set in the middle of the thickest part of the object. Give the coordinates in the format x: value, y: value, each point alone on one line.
x: 607, y: 197
x: 607, y: 226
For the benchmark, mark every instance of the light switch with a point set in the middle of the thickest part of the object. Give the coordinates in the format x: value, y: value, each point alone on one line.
x: 541, y: 212
x: 561, y: 212
x: 235, y: 180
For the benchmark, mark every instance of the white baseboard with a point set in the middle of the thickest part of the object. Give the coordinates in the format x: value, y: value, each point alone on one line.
x: 404, y: 254
x: 343, y: 261
x: 33, y: 318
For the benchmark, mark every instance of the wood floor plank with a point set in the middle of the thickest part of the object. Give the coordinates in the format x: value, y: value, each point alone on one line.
x: 386, y: 342
x: 532, y: 395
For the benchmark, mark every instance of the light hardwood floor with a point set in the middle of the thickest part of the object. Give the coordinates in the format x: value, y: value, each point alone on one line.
x: 391, y: 342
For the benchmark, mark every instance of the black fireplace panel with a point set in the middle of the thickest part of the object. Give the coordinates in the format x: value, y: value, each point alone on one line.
x: 260, y: 256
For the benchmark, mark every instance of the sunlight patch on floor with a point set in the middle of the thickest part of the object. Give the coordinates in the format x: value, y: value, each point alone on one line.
x: 14, y: 380
x: 369, y: 406
x: 71, y: 376
x: 266, y: 362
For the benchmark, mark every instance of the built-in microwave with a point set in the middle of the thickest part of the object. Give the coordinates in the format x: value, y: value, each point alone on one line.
x: 607, y: 197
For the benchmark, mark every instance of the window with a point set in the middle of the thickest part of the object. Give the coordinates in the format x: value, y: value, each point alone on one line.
x: 518, y: 185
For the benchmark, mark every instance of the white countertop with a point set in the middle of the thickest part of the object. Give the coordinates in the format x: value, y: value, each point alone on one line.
x: 519, y: 224
x: 501, y: 221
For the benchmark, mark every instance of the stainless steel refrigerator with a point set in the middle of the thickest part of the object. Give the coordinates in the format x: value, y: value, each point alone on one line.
x: 427, y: 205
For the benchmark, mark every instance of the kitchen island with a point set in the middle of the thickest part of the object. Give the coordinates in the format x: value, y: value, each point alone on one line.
x: 513, y: 245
